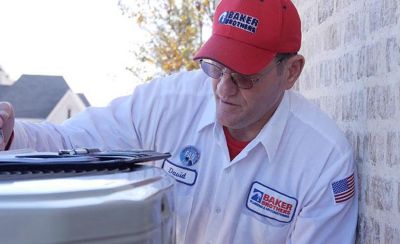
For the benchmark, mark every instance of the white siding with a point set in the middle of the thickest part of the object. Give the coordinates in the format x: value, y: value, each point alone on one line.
x: 69, y: 104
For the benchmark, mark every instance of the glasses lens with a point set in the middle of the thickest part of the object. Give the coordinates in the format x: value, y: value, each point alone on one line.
x: 211, y: 70
x: 242, y: 81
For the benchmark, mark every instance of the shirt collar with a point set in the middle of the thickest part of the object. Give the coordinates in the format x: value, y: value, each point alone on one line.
x: 271, y: 134
x: 208, y: 116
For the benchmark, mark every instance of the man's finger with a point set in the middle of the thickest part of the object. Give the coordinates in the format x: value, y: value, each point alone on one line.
x: 6, y: 123
x: 3, y: 117
x: 1, y: 137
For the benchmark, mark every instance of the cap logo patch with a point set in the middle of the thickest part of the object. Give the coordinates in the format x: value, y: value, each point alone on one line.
x: 239, y: 20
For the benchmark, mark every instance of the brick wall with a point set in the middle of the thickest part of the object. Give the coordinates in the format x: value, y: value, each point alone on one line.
x: 352, y: 51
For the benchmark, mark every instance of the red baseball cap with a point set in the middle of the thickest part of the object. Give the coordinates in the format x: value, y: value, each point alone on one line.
x: 247, y: 34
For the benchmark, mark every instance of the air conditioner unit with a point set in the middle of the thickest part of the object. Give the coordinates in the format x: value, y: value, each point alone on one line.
x: 96, y: 198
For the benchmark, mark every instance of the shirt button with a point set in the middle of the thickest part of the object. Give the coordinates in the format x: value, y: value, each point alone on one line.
x: 218, y: 210
x: 228, y: 170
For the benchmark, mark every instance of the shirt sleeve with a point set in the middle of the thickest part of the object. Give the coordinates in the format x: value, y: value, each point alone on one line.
x: 110, y: 127
x: 137, y: 121
x: 329, y: 215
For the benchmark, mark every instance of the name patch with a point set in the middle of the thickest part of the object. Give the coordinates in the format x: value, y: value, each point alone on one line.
x: 181, y: 174
x: 271, y: 203
x: 239, y: 20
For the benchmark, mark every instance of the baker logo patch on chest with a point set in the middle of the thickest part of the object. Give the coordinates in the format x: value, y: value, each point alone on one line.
x: 271, y: 203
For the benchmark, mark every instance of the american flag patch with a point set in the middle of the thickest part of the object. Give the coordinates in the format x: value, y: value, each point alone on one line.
x: 343, y: 190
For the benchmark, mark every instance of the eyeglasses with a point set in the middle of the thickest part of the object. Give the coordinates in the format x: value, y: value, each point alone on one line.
x: 216, y: 71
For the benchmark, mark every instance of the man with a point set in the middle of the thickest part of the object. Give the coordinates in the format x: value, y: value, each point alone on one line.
x: 254, y: 161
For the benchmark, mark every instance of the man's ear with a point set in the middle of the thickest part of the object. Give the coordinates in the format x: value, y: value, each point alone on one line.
x: 294, y: 66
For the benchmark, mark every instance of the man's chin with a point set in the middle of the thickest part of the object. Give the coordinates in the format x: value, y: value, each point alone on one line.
x: 230, y: 123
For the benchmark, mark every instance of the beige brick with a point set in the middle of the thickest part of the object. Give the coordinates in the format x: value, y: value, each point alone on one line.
x: 393, y: 148
x: 381, y: 102
x: 379, y: 193
x: 332, y: 37
x: 368, y: 230
x: 340, y: 4
x: 388, y: 9
x: 361, y: 147
x: 382, y: 13
x: 392, y: 235
x: 325, y: 10
x: 355, y: 27
x: 374, y: 153
x: 345, y: 68
x: 374, y: 55
x: 393, y: 54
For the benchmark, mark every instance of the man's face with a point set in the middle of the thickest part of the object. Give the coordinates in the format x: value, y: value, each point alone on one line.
x: 248, y: 109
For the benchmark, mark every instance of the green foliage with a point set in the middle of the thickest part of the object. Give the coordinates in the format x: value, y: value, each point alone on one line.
x: 174, y: 28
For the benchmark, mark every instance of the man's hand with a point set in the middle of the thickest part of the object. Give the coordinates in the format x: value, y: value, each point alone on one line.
x: 6, y: 123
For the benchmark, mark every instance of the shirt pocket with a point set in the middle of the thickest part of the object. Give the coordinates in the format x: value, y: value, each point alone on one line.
x: 252, y: 229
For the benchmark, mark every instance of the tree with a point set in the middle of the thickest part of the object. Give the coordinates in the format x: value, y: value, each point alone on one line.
x: 174, y: 29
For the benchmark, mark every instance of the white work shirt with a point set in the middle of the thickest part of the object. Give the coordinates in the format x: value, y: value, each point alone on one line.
x: 279, y: 189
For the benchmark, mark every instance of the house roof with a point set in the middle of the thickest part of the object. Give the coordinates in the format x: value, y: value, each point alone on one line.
x: 83, y: 99
x: 34, y: 96
x: 3, y: 90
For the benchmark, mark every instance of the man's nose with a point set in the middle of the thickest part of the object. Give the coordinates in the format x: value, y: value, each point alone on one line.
x: 226, y: 86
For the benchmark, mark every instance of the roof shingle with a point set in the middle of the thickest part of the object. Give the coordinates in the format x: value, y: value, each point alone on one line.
x: 34, y: 96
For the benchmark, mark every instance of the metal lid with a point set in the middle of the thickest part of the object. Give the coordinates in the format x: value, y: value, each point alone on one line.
x: 72, y: 162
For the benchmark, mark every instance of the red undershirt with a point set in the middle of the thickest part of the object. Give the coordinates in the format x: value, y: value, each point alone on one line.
x: 234, y: 146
